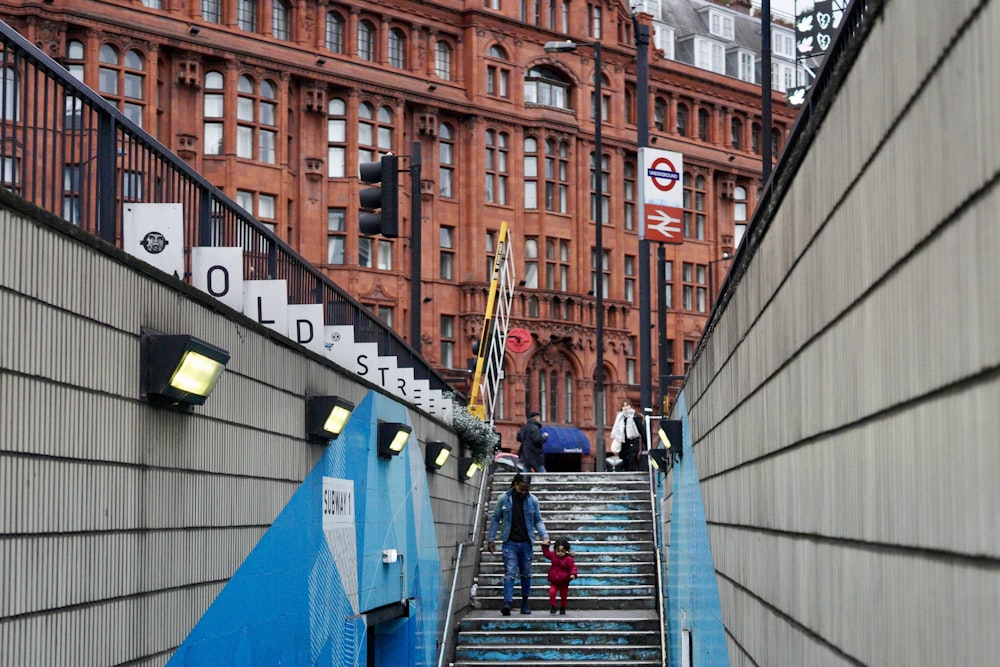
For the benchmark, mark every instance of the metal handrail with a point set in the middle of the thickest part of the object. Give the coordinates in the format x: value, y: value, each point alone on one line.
x: 67, y: 150
x: 445, y: 640
x: 657, y: 539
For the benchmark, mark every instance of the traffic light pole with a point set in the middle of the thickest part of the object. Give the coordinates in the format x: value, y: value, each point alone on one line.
x: 415, y: 246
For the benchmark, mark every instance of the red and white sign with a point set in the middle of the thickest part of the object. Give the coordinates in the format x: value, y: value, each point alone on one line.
x: 661, y: 191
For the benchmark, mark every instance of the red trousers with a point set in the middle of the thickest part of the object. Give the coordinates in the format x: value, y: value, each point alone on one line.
x: 562, y: 590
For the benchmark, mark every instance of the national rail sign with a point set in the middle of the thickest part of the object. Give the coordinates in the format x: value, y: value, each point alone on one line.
x: 661, y: 191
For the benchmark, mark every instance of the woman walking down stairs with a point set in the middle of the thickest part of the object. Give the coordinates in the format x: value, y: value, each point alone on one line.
x: 612, y: 616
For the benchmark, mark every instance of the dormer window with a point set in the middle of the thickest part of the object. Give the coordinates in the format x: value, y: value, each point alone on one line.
x: 720, y: 25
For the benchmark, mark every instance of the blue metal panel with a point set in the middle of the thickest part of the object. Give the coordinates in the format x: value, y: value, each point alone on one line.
x: 693, y: 592
x: 294, y: 601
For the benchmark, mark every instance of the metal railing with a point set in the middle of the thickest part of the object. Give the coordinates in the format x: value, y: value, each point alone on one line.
x: 67, y: 150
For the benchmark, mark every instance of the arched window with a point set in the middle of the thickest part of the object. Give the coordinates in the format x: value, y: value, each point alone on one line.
x: 755, y: 138
x: 739, y: 214
x: 446, y: 160
x: 660, y: 113
x: 122, y: 81
x: 256, y: 130
x: 214, y: 112
x: 530, y: 173
x: 682, y: 120
x: 703, y: 123
x: 366, y: 40
x: 442, y: 60
x: 497, y: 74
x: 280, y: 19
x: 547, y: 87
x: 334, y: 33
x: 628, y: 214
x: 736, y: 133
x: 397, y: 48
x: 375, y: 132
x: 336, y: 138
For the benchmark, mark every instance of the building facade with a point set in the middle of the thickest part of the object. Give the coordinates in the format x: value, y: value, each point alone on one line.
x: 277, y: 102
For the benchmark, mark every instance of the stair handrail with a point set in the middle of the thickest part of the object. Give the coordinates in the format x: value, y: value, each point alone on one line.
x: 656, y: 549
x: 445, y: 640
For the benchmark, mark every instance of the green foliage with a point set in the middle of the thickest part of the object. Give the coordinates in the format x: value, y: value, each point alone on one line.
x: 475, y: 435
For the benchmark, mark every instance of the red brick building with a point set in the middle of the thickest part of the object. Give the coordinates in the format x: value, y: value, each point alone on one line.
x: 277, y: 101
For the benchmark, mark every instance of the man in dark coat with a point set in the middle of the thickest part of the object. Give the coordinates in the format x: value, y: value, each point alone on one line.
x: 531, y: 455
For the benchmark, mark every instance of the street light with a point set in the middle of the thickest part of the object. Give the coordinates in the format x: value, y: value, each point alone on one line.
x: 565, y: 47
x: 711, y: 270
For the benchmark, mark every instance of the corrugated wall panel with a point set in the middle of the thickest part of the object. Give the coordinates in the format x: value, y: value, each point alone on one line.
x: 844, y: 411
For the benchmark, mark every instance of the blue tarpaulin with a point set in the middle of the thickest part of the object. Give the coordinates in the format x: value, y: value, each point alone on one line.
x: 565, y: 440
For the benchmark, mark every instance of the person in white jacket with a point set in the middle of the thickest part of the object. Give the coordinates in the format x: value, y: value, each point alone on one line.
x: 629, y: 430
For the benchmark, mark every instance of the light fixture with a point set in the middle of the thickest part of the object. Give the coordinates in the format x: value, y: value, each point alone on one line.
x: 392, y: 437
x: 467, y: 468
x: 428, y: 299
x: 193, y: 29
x: 432, y: 86
x: 326, y: 417
x: 560, y: 47
x: 179, y: 371
x: 321, y: 61
x: 671, y: 434
x: 660, y: 459
x: 436, y: 453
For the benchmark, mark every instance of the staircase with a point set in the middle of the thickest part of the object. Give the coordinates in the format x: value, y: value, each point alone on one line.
x: 612, y: 614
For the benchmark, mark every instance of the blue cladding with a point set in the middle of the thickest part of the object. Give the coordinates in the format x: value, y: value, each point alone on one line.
x: 693, y: 592
x: 292, y: 602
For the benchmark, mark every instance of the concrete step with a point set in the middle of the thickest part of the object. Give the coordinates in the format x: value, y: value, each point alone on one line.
x: 636, y: 597
x: 521, y: 653
x: 586, y: 568
x: 575, y: 619
x: 564, y: 636
x: 538, y: 578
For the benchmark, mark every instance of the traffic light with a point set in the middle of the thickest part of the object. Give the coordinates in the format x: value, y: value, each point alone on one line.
x: 381, y: 204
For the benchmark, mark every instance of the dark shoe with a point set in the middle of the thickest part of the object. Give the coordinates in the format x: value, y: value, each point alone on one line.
x: 553, y: 610
x: 562, y: 610
x: 525, y: 609
x: 506, y: 610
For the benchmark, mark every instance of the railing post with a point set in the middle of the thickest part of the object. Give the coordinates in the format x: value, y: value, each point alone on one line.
x: 107, y: 199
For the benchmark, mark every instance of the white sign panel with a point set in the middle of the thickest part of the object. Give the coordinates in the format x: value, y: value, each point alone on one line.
x: 337, y: 506
x: 305, y: 326
x: 155, y: 234
x: 219, y: 272
x: 266, y: 301
x: 338, y: 344
x: 661, y: 190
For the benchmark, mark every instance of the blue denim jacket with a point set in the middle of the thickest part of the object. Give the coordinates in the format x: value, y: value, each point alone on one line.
x: 501, y: 517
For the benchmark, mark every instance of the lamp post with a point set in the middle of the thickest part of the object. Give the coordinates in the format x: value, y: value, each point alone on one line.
x: 711, y: 271
x: 564, y: 47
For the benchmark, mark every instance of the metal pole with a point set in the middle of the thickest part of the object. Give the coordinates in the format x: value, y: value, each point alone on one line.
x: 664, y: 352
x: 599, y: 259
x: 645, y: 296
x: 415, y: 248
x: 765, y: 88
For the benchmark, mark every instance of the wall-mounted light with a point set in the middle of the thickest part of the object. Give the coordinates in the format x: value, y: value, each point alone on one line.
x: 467, y: 468
x: 660, y: 459
x: 392, y: 437
x: 321, y: 61
x: 193, y: 29
x: 436, y: 453
x: 671, y: 434
x: 179, y: 371
x: 326, y: 416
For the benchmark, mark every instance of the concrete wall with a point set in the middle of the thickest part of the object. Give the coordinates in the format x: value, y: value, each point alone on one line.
x: 843, y: 412
x: 122, y: 525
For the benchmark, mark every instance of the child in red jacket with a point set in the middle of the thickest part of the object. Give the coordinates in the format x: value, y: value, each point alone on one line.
x: 562, y: 571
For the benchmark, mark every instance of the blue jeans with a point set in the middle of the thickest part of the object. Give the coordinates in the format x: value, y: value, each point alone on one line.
x: 516, y: 559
